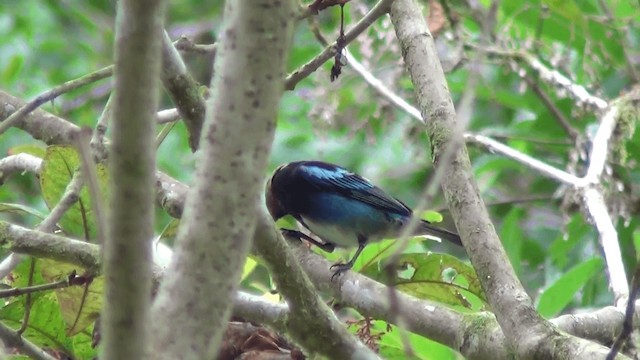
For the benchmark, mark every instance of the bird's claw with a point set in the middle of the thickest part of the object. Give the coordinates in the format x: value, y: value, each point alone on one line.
x: 339, y: 269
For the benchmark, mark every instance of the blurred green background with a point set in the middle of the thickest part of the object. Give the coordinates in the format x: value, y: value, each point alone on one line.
x: 550, y: 240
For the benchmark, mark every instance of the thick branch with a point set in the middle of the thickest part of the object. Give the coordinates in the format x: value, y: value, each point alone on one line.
x: 40, y: 124
x: 525, y: 330
x: 125, y: 320
x: 183, y: 90
x: 41, y: 244
x: 194, y: 300
x: 311, y: 323
x: 476, y: 336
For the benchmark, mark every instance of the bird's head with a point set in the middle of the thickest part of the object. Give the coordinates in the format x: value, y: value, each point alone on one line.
x: 274, y: 204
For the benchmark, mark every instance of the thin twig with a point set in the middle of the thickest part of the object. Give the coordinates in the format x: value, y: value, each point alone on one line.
x: 531, y: 162
x: 553, y: 77
x: 91, y: 178
x: 381, y: 88
x: 329, y: 52
x: 627, y: 325
x: 97, y: 142
x: 167, y: 116
x: 318, y: 5
x: 49, y: 224
x: 185, y: 44
x: 19, y: 163
x: 27, y: 299
x: 600, y: 144
x: 69, y: 198
x: 60, y: 284
x: 557, y: 113
x: 531, y: 140
x: 608, y: 236
x: 52, y: 94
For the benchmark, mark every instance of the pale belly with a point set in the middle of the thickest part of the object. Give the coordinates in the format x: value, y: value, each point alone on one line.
x: 339, y: 235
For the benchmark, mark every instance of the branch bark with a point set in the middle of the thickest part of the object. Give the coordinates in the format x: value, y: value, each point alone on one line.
x: 194, y: 300
x: 311, y: 323
x: 476, y: 336
x: 526, y: 332
x: 127, y: 250
x: 41, y: 125
x: 183, y: 90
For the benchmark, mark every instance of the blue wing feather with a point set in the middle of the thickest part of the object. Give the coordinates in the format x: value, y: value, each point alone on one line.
x: 331, y: 178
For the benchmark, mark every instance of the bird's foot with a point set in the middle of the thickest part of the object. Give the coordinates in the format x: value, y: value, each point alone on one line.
x: 339, y: 268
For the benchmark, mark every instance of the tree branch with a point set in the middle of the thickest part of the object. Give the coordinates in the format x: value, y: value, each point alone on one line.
x: 40, y: 244
x: 578, y: 93
x: 476, y: 336
x: 16, y: 117
x: 381, y: 8
x: 183, y: 90
x: 588, y: 185
x: 218, y: 222
x: 13, y: 339
x: 40, y: 124
x: 526, y: 332
x: 125, y: 320
x: 19, y: 163
x: 311, y: 323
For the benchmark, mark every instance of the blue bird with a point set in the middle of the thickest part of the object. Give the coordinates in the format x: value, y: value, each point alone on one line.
x: 339, y: 207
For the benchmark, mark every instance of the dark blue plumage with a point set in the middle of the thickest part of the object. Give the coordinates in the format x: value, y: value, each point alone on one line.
x: 340, y: 207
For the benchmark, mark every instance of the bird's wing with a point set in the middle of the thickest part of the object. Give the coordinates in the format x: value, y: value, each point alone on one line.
x: 331, y: 178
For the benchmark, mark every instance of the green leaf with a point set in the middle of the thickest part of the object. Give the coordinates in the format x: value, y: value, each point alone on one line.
x: 46, y: 326
x: 58, y: 167
x: 567, y: 9
x: 440, y: 277
x: 392, y: 346
x: 169, y: 233
x: 560, y: 294
x: 636, y: 243
x: 20, y: 275
x: 370, y: 259
x: 431, y: 216
x: 249, y: 265
x: 576, y: 231
x: 31, y: 149
x: 12, y: 70
x: 512, y: 238
x: 286, y: 222
x: 80, y: 305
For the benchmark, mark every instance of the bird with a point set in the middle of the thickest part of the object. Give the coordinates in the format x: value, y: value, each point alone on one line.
x: 340, y: 207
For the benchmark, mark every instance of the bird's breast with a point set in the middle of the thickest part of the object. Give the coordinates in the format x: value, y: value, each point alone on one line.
x: 332, y: 233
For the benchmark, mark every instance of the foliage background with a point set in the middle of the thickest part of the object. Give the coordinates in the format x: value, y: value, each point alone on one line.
x: 550, y: 241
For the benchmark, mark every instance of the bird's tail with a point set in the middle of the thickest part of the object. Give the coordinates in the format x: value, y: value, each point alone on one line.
x: 426, y: 228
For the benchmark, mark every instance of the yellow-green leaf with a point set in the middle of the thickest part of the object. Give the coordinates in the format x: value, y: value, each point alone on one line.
x: 80, y: 305
x: 58, y: 167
